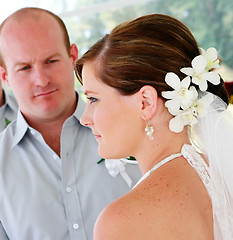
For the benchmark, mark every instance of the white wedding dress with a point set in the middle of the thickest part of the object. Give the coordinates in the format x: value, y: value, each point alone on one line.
x: 223, y: 221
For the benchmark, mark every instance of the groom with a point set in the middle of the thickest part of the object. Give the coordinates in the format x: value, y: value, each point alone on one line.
x: 51, y: 186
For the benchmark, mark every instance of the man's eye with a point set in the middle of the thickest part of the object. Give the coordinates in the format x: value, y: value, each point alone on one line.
x: 52, y: 61
x: 92, y: 99
x: 24, y: 68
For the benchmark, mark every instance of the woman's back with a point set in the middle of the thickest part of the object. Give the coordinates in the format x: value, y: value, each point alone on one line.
x: 171, y: 203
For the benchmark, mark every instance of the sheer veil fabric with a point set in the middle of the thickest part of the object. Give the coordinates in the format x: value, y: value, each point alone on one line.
x: 213, y: 137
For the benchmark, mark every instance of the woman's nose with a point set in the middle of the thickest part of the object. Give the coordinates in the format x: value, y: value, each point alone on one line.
x: 86, y: 119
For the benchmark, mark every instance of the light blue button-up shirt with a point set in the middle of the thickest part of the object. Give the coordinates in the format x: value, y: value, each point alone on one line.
x: 47, y: 197
x: 8, y: 112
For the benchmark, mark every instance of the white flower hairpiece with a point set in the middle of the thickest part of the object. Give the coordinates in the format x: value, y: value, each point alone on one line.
x: 185, y: 102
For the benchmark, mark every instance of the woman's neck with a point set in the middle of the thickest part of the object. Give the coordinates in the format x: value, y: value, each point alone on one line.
x: 165, y: 143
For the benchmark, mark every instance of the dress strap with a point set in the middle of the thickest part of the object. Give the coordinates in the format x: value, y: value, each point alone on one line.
x: 159, y: 164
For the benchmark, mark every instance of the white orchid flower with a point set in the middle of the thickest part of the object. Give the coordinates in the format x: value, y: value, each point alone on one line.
x: 181, y: 96
x: 199, y: 74
x: 201, y: 106
x: 177, y: 123
x: 190, y: 115
x: 211, y: 55
x: 184, y: 102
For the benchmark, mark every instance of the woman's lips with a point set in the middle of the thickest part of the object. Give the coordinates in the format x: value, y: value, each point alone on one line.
x: 97, y: 136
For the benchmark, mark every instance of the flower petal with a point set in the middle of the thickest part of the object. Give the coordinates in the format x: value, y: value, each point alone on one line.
x: 199, y: 63
x: 172, y: 80
x: 194, y: 121
x: 211, y: 53
x: 212, y: 77
x: 185, y: 83
x: 196, y: 80
x: 188, y: 71
x: 194, y: 92
x: 176, y: 125
x: 191, y: 96
x: 187, y: 117
x: 169, y: 94
x: 203, y: 85
x: 203, y: 104
x: 173, y: 106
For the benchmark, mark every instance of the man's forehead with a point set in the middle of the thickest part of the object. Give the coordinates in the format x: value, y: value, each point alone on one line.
x: 29, y: 19
x: 27, y: 30
x: 26, y: 15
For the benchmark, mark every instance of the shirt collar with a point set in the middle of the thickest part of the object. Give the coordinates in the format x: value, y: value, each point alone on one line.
x: 80, y: 107
x: 10, y: 101
x: 22, y: 126
x: 21, y: 129
x: 10, y: 104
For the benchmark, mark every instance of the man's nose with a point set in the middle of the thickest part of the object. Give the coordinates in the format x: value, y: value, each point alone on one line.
x: 40, y: 76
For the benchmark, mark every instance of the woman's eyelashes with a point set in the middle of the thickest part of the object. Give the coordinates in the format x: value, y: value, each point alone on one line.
x: 92, y: 99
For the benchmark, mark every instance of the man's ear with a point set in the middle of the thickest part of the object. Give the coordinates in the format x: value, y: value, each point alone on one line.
x: 3, y: 75
x: 149, y: 100
x: 74, y: 52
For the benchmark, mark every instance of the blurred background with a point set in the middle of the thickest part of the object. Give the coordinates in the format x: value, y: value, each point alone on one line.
x: 87, y: 21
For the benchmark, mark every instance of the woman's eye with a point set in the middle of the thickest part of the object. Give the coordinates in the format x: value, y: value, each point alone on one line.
x: 92, y: 99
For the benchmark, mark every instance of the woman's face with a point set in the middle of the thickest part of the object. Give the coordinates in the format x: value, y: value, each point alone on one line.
x: 114, y: 119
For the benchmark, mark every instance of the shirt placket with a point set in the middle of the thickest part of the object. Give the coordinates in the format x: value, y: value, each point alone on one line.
x: 69, y: 186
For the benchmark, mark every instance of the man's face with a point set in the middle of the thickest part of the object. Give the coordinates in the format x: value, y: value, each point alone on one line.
x: 39, y: 69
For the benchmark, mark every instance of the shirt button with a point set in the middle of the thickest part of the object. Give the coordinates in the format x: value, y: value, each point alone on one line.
x: 75, y: 226
x: 68, y: 189
x: 55, y: 157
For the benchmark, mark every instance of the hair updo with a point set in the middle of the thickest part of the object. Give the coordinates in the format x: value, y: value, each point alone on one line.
x: 141, y: 52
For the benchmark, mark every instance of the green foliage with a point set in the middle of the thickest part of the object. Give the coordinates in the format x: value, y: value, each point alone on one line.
x: 7, y: 122
x: 210, y: 21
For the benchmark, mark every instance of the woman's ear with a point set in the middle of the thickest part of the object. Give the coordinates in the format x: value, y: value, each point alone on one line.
x: 149, y: 100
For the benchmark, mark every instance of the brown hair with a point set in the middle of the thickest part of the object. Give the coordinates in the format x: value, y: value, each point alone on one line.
x: 140, y: 52
x: 35, y: 13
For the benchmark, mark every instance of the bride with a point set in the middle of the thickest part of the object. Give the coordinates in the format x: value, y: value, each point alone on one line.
x: 152, y: 93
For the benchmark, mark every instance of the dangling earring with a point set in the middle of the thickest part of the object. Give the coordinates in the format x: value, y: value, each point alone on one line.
x: 149, y: 131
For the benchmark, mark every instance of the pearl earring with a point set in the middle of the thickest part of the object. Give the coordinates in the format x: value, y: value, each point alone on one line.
x: 149, y: 131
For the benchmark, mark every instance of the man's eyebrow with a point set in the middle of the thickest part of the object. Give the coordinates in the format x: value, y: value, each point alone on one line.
x: 20, y: 63
x: 53, y: 55
x: 46, y: 59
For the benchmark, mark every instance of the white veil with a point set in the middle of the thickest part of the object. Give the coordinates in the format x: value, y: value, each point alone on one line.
x: 213, y: 136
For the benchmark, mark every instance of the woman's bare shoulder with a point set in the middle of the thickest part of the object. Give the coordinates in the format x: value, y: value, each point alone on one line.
x: 117, y: 220
x: 159, y: 207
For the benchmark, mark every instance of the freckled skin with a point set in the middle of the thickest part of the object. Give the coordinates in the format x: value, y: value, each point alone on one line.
x: 172, y: 196
x: 162, y: 203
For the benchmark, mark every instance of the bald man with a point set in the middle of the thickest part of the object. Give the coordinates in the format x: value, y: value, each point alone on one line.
x: 51, y: 186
